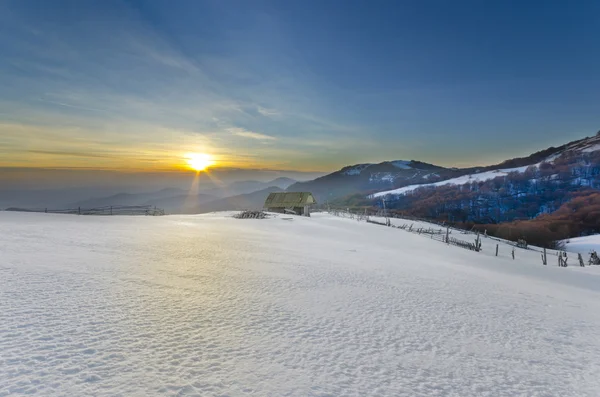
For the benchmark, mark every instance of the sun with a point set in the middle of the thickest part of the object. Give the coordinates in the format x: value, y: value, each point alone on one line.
x: 199, y: 161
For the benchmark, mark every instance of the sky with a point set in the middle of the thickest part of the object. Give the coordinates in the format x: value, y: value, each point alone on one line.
x: 293, y: 85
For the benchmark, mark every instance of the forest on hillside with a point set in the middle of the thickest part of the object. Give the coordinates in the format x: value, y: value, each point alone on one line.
x: 579, y: 216
x: 520, y: 196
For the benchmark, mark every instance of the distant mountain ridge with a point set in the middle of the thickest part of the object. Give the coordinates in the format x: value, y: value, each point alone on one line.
x: 174, y: 200
x: 243, y: 187
x: 127, y: 199
x: 550, y: 195
x: 580, y: 148
x: 248, y: 201
x: 371, y: 178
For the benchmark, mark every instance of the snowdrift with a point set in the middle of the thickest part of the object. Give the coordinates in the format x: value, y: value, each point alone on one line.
x: 583, y: 245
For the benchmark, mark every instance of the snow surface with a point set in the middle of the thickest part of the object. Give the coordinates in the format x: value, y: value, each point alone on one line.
x: 355, y: 170
x: 214, y: 306
x: 583, y: 245
x: 588, y: 146
x: 592, y: 148
x: 402, y: 164
x: 461, y: 180
x: 382, y: 177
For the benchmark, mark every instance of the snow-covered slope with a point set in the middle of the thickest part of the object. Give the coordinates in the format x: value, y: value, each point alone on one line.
x: 478, y: 177
x: 359, y: 168
x: 323, y: 306
x: 583, y: 245
x: 355, y: 169
x: 587, y: 145
x: 583, y: 146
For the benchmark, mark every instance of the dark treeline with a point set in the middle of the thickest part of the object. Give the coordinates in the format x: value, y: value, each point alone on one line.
x: 580, y: 216
x: 520, y: 195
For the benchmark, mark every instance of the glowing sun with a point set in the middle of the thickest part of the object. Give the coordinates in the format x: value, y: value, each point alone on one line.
x: 199, y: 161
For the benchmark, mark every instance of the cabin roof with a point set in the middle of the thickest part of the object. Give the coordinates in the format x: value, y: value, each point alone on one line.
x: 289, y: 199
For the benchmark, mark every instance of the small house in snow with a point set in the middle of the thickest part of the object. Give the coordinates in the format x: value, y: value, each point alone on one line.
x: 290, y: 202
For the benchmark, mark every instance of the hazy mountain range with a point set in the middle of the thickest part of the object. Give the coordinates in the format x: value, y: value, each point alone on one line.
x: 174, y: 200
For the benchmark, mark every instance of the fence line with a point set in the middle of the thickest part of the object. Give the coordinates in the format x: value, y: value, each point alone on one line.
x: 106, y: 210
x: 436, y: 234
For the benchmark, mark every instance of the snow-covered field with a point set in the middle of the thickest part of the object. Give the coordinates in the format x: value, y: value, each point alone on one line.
x: 323, y: 306
x: 583, y: 245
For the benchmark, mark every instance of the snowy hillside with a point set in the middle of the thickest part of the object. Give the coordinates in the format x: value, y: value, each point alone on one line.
x: 583, y: 245
x: 209, y: 305
x: 461, y: 180
x: 359, y: 168
x: 355, y: 169
x: 372, y: 177
x: 583, y: 146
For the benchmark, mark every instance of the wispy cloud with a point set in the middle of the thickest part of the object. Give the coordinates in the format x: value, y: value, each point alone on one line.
x: 74, y: 154
x: 251, y: 134
x: 148, y: 97
x: 268, y: 112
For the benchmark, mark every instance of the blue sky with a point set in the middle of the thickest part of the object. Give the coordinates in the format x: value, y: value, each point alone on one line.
x: 307, y: 85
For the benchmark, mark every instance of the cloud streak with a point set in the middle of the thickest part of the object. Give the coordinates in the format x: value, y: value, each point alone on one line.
x: 241, y: 132
x: 268, y: 112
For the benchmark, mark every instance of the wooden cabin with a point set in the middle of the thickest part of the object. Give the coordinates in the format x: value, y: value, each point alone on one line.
x: 297, y: 203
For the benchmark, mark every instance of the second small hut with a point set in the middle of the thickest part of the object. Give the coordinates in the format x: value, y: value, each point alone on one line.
x: 298, y: 203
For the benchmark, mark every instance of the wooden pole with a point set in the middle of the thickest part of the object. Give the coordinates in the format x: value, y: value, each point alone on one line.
x: 544, y: 258
x: 513, y: 254
x: 497, y: 249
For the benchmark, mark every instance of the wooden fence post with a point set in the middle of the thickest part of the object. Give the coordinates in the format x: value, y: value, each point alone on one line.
x: 497, y: 249
x: 580, y: 260
x: 513, y: 254
x: 544, y: 259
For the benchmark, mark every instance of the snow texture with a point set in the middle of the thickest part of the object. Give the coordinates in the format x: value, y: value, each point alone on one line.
x: 382, y: 177
x: 355, y: 170
x: 402, y: 164
x: 587, y: 146
x: 583, y: 245
x: 461, y: 180
x: 592, y: 148
x: 214, y: 306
